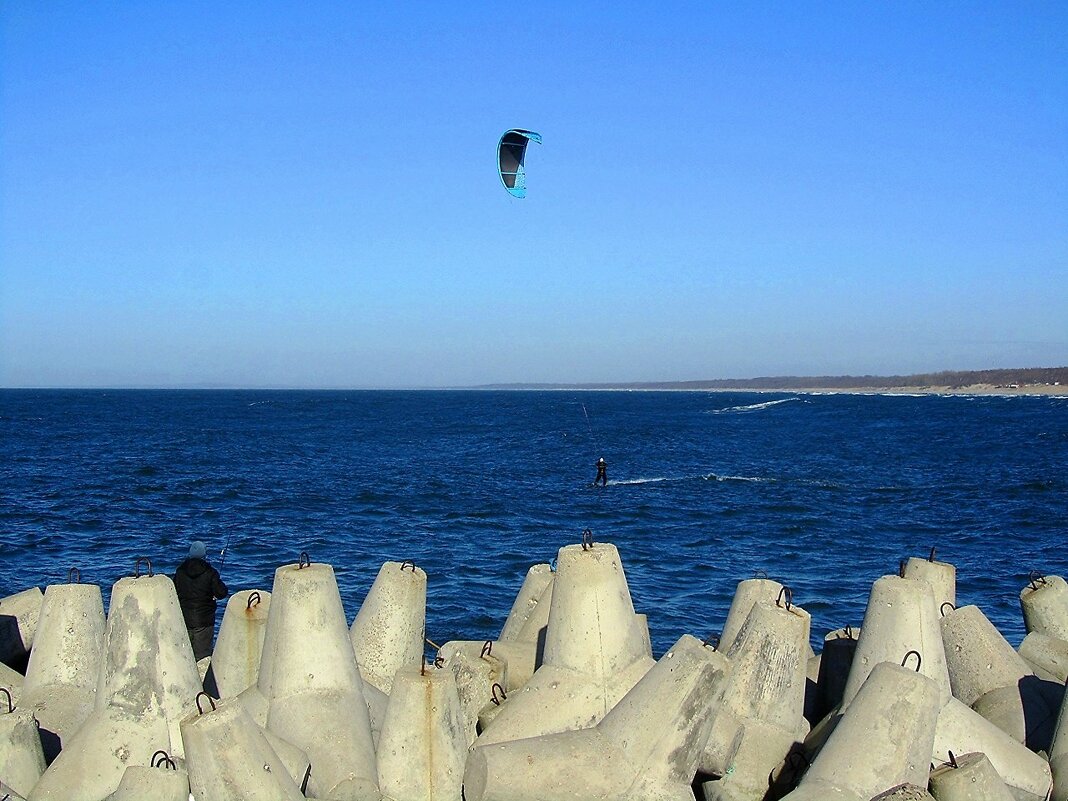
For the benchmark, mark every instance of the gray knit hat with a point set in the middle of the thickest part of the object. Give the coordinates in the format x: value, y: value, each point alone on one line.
x: 197, y: 550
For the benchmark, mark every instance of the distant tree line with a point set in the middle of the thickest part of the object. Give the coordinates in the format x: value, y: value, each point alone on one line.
x: 947, y: 378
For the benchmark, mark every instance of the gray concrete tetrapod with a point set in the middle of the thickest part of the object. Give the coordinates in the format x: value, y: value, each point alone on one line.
x: 92, y: 762
x: 968, y: 777
x: 423, y: 745
x: 479, y: 674
x: 595, y: 650
x: 229, y: 759
x: 146, y: 783
x: 884, y: 739
x: 235, y: 661
x: 148, y: 660
x: 747, y: 593
x: 1045, y: 606
x: 988, y: 675
x: 387, y: 633
x: 836, y: 659
x: 901, y: 623
x: 1047, y: 656
x: 1058, y: 755
x: 528, y: 604
x: 766, y: 694
x: 962, y: 730
x: 18, y: 623
x: 645, y: 749
x: 313, y: 684
x: 21, y: 759
x: 942, y: 576
x: 67, y: 657
x: 11, y: 682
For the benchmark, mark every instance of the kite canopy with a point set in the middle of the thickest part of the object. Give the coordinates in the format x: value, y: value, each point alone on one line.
x: 511, y: 151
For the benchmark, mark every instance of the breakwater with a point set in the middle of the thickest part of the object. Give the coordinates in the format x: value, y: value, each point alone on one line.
x: 918, y: 699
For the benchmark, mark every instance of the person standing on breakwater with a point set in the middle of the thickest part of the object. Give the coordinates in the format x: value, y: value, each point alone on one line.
x: 199, y: 585
x: 602, y: 472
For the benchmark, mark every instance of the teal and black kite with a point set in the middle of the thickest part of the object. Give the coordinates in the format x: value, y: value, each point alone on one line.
x: 511, y: 152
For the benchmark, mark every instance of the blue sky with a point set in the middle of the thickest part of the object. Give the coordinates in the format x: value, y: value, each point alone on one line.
x: 284, y: 195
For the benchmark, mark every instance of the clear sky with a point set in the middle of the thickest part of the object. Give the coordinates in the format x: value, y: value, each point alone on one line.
x: 305, y: 195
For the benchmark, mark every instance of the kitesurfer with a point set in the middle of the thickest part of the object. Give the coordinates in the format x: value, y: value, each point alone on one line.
x: 602, y: 472
x: 198, y: 586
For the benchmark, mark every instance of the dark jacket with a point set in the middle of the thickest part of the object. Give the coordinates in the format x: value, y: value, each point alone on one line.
x: 198, y: 585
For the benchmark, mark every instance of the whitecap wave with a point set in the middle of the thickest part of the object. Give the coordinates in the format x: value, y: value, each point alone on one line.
x: 753, y: 407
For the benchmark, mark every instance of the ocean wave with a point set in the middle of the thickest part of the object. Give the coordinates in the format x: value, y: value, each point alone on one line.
x: 750, y: 479
x: 753, y: 407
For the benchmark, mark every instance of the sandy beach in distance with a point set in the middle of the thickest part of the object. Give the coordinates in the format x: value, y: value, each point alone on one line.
x: 1052, y: 390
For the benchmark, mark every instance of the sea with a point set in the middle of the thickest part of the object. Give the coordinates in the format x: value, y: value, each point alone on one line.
x: 823, y: 492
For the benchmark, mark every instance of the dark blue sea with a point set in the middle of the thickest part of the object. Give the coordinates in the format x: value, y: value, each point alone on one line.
x: 823, y: 492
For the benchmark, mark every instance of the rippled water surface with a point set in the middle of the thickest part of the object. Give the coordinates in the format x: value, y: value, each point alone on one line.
x: 823, y: 492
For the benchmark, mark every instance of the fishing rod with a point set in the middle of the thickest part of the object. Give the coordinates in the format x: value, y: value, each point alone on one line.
x: 222, y: 553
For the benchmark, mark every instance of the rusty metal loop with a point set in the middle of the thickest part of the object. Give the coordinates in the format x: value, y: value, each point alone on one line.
x: 10, y: 702
x: 760, y: 574
x: 932, y: 556
x: 210, y: 701
x: 74, y: 576
x: 406, y: 563
x: 439, y: 662
x: 432, y: 644
x: 487, y: 649
x: 504, y: 695
x: 942, y: 608
x: 253, y: 599
x: 587, y: 540
x: 901, y: 568
x: 711, y: 641
x: 952, y: 760
x: 849, y: 633
x: 919, y: 659
x: 137, y: 566
x: 789, y: 595
x: 162, y: 759
x: 303, y: 561
x: 304, y: 783
x: 552, y: 565
x: 422, y: 666
x: 1034, y: 578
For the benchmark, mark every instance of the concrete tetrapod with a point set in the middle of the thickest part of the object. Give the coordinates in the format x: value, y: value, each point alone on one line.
x: 942, y: 576
x: 766, y: 695
x: 962, y: 730
x: 1047, y: 656
x: 969, y: 777
x: 884, y: 739
x: 387, y: 633
x: 92, y: 762
x: 988, y: 675
x: 148, y: 680
x: 747, y: 593
x: 836, y: 659
x: 67, y: 656
x: 595, y: 650
x: 423, y: 745
x: 476, y: 669
x: 1045, y: 606
x: 645, y: 749
x: 901, y: 620
x: 235, y: 661
x: 1058, y: 755
x: 142, y: 783
x: 313, y: 683
x: 11, y: 682
x: 21, y: 759
x: 528, y: 604
x: 229, y: 759
x: 18, y: 623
